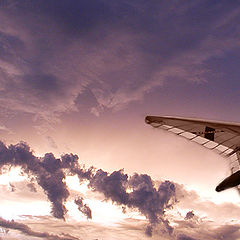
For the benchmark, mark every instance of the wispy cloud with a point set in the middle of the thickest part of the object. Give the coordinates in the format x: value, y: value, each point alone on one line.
x: 23, y: 228
x: 206, y: 230
x: 121, y: 51
x: 5, y: 129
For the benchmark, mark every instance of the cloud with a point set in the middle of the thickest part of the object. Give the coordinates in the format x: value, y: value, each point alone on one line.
x: 208, y: 220
x: 83, y: 208
x: 4, y: 128
x: 119, y: 51
x: 184, y: 237
x: 221, y: 212
x: 13, y: 188
x: 150, y: 201
x: 206, y: 230
x: 32, y: 187
x: 130, y: 228
x: 29, y: 232
x: 228, y: 232
x: 189, y: 230
x: 189, y: 215
x: 50, y: 173
x: 47, y: 171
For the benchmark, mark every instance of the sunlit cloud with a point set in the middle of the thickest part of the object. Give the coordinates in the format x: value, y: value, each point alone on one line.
x: 79, y: 77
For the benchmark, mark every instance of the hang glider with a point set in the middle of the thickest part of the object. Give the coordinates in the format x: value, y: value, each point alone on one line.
x: 224, y: 137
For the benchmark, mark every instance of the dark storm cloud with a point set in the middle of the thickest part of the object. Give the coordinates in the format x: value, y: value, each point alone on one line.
x: 47, y: 171
x: 83, y: 207
x: 149, y: 230
x: 113, y: 186
x: 119, y: 50
x: 137, y: 191
x: 150, y: 201
x: 29, y: 232
x: 189, y: 215
x: 70, y: 161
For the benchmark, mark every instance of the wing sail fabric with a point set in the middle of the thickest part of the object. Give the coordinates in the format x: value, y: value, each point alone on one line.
x: 222, y: 136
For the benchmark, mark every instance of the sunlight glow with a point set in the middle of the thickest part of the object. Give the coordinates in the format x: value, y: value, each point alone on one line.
x: 230, y: 195
x: 13, y: 210
x: 74, y: 184
x: 102, y: 212
x: 14, y: 175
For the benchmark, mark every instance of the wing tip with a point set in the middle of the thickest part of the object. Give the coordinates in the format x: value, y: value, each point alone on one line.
x: 155, y: 119
x: 148, y: 119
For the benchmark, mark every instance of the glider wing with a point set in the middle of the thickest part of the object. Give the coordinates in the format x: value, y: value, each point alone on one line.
x: 221, y: 136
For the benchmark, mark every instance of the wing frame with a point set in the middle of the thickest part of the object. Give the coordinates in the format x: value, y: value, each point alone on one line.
x: 227, y: 144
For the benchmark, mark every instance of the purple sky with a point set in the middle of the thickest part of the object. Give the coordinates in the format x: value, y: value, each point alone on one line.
x: 80, y: 76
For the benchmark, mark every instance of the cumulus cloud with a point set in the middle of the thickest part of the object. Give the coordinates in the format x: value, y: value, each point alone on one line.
x: 47, y: 171
x: 150, y: 201
x: 189, y: 215
x: 83, y: 207
x: 137, y: 191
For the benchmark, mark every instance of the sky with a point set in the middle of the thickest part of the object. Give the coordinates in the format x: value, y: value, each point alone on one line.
x: 77, y: 79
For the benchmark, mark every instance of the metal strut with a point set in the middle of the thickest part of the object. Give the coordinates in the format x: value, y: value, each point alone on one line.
x: 236, y: 150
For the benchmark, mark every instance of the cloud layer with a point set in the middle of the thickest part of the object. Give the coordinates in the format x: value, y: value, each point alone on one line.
x: 23, y: 228
x: 68, y: 56
x: 137, y: 191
